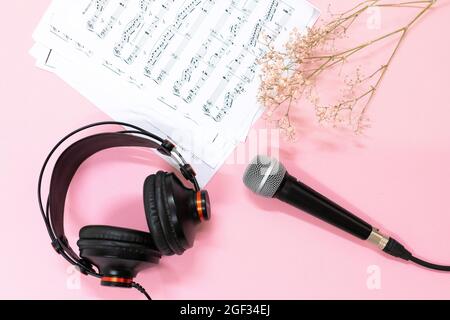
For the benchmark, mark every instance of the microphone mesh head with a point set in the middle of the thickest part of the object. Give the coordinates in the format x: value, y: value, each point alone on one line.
x: 264, y: 176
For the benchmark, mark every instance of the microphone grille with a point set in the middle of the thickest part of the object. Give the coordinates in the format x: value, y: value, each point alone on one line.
x: 264, y: 176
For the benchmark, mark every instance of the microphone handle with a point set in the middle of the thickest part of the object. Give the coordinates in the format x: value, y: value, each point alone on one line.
x: 306, y: 199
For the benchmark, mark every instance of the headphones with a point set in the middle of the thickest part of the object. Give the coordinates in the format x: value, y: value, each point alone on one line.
x: 117, y: 255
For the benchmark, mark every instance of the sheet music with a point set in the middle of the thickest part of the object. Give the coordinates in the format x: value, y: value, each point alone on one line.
x: 191, y: 62
x: 199, y: 55
x: 92, y: 88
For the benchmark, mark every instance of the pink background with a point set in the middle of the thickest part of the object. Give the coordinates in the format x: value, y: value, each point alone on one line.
x: 398, y: 177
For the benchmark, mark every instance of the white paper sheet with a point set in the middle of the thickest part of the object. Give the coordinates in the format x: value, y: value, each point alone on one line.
x: 91, y: 88
x: 186, y: 66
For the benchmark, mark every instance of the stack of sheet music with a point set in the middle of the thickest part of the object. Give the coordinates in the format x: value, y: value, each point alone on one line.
x: 184, y: 69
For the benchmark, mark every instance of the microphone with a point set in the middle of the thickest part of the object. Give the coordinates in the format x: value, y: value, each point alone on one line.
x: 267, y: 177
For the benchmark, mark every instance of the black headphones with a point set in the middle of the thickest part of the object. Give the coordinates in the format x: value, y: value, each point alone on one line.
x: 116, y: 255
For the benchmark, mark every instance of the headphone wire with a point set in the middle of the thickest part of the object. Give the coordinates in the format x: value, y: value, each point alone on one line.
x: 141, y: 289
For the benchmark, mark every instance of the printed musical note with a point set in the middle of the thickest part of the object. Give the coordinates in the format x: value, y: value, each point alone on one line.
x: 214, y: 60
x: 109, y: 65
x: 256, y: 34
x: 188, y: 64
x: 227, y: 52
x: 218, y: 114
x: 210, y: 108
x: 250, y: 74
x: 132, y: 27
x: 201, y: 53
x: 277, y: 19
x: 114, y: 18
x: 148, y: 32
x: 206, y: 7
x: 68, y: 39
x: 91, y: 2
x: 169, y: 34
x: 271, y: 11
x: 100, y: 6
x: 128, y: 32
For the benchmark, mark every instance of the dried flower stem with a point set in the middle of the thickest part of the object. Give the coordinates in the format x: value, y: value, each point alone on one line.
x: 288, y: 76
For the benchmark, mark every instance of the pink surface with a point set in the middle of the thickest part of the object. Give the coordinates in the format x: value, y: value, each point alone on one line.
x: 397, y: 177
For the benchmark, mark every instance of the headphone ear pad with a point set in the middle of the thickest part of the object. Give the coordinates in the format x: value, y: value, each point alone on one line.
x: 152, y: 207
x: 168, y: 214
x: 118, y: 234
x: 118, y: 253
x: 173, y: 212
x: 182, y: 216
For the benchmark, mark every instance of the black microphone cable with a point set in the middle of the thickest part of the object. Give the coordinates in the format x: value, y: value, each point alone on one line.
x: 396, y: 249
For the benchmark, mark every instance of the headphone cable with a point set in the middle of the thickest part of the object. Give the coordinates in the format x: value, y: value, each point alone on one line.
x: 141, y: 289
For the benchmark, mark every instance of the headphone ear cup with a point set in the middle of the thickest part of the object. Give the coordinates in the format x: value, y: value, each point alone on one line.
x: 118, y: 253
x: 173, y: 211
x: 168, y: 215
x: 152, y: 206
x: 118, y: 234
x: 181, y: 207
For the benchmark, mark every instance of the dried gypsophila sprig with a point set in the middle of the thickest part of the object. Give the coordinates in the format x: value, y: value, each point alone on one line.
x: 292, y: 74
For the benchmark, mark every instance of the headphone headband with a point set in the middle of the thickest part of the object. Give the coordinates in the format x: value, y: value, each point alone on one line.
x: 72, y: 158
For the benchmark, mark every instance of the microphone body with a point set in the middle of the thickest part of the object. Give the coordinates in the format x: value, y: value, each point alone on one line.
x: 302, y: 197
x: 267, y: 177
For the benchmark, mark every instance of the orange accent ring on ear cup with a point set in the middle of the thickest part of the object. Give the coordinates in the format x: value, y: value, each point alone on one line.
x: 198, y: 202
x: 117, y: 280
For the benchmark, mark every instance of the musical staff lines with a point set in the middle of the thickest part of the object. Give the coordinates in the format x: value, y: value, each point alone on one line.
x: 169, y: 33
x: 114, y: 18
x: 202, y: 71
x: 270, y: 25
x: 99, y: 7
x: 132, y: 27
x: 173, y: 57
x: 148, y: 31
x: 220, y: 43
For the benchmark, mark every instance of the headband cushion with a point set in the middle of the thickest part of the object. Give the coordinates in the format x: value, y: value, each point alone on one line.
x: 151, y: 213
